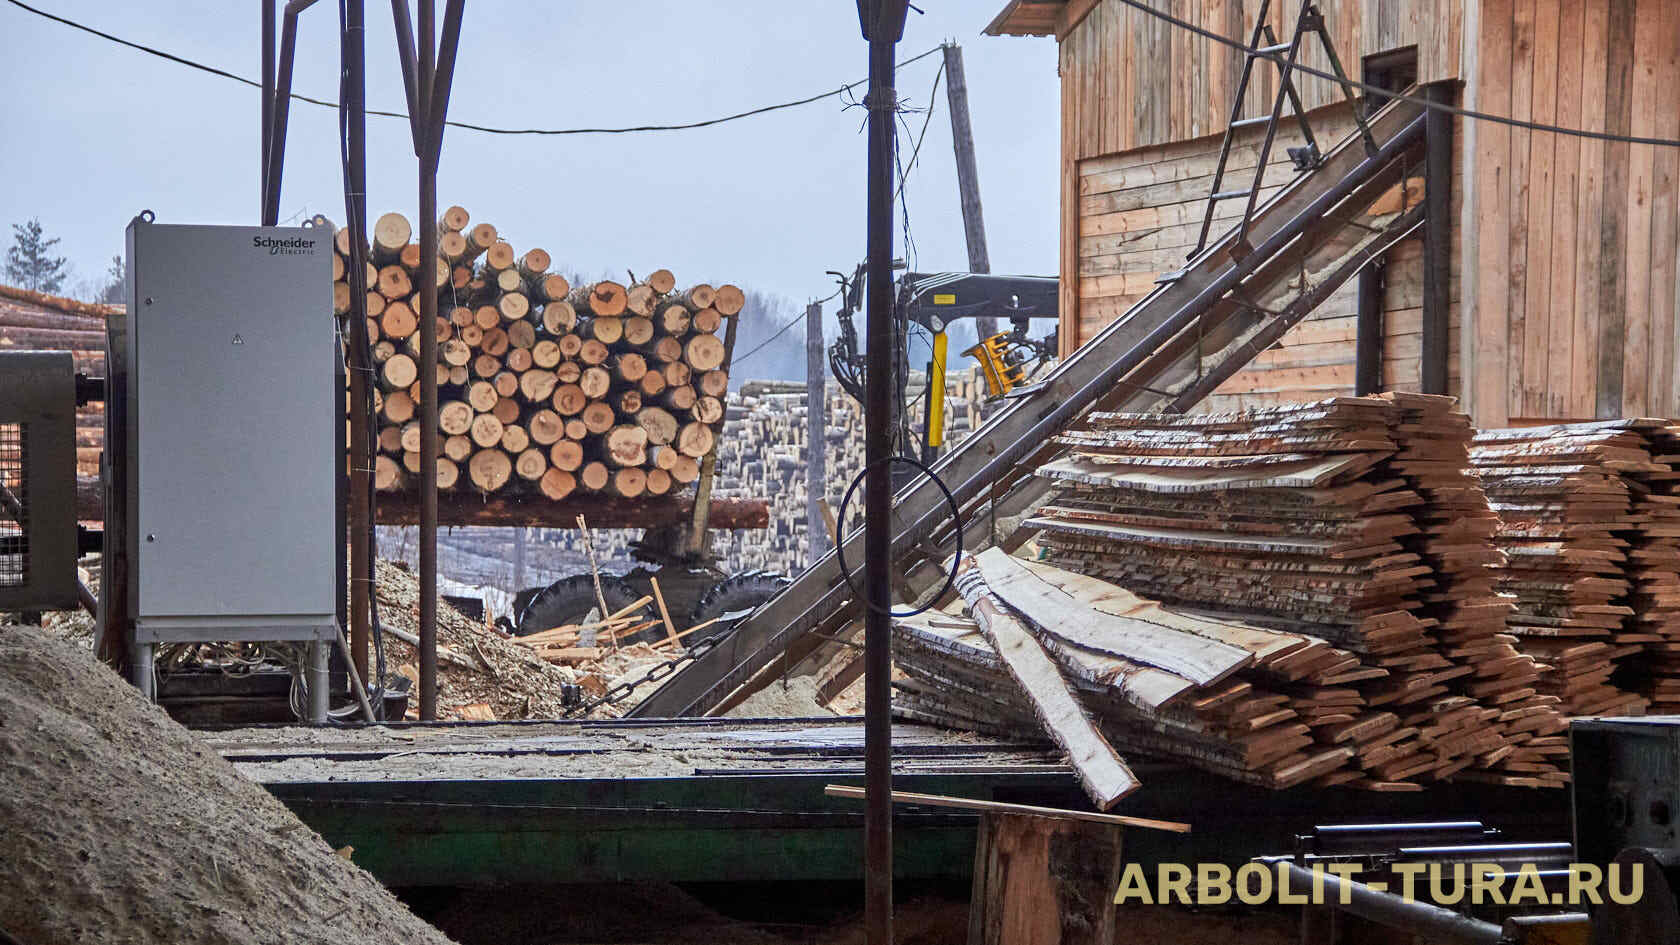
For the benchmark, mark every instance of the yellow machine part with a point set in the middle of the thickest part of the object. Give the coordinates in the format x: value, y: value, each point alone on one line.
x: 936, y: 391
x: 1001, y: 376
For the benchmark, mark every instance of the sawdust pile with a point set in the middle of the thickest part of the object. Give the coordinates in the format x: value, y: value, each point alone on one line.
x: 483, y: 674
x: 116, y: 825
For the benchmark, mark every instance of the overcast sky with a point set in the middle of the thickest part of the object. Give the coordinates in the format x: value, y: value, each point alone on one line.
x: 96, y: 132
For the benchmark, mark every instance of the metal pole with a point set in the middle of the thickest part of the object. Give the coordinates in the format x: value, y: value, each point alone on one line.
x: 968, y: 177
x: 268, y: 7
x: 1437, y: 243
x: 816, y: 430
x: 1419, y: 918
x: 354, y: 53
x: 428, y: 372
x: 883, y: 26
x: 1368, y: 332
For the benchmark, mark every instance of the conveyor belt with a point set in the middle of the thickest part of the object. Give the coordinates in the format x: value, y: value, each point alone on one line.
x: 1168, y: 351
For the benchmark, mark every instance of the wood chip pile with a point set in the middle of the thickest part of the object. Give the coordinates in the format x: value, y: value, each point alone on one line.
x: 1590, y: 532
x: 544, y: 388
x: 1339, y: 555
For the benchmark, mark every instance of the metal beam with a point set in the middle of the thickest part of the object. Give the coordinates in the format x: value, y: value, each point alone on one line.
x: 1367, y: 343
x: 1084, y: 380
x: 1433, y: 366
x: 968, y: 175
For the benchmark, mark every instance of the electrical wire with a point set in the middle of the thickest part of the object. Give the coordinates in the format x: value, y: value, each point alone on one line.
x: 467, y: 126
x: 1387, y: 94
x: 782, y: 330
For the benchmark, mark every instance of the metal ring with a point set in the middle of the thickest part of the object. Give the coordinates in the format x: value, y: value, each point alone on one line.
x: 840, y: 536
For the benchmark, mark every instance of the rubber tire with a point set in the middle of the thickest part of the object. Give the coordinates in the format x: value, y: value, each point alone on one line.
x: 743, y: 591
x: 569, y: 600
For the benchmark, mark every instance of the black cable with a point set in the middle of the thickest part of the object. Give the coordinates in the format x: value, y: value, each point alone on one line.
x: 840, y: 535
x: 781, y: 331
x: 487, y: 129
x: 1386, y: 94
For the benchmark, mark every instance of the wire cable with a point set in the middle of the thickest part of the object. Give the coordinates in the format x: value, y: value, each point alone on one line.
x: 1387, y: 94
x: 467, y: 126
x: 782, y: 330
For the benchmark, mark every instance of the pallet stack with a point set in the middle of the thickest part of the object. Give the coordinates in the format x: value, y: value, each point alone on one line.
x: 1565, y: 495
x: 544, y: 387
x: 1352, y: 525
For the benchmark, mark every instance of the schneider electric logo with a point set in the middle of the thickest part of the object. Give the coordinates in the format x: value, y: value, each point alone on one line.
x: 289, y: 246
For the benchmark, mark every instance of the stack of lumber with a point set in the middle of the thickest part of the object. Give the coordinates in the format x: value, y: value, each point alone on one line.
x: 1492, y: 685
x: 544, y: 387
x: 1279, y: 515
x: 1654, y: 569
x: 1159, y: 680
x: 1345, y: 539
x: 1565, y: 495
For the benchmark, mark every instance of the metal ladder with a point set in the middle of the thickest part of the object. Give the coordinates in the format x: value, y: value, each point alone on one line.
x: 1263, y: 44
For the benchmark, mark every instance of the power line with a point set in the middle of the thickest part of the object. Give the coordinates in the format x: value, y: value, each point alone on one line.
x: 468, y: 126
x: 1386, y: 94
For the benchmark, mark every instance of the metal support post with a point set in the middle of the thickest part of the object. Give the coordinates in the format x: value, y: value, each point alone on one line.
x: 883, y: 26
x: 1437, y: 243
x: 968, y: 176
x: 427, y: 81
x: 320, y: 680
x: 1368, y: 337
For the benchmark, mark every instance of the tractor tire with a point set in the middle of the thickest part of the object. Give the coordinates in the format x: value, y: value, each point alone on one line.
x: 569, y: 600
x: 738, y: 593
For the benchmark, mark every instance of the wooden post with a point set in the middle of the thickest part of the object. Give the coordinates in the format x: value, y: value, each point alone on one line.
x: 968, y: 177
x: 816, y: 428
x: 708, y: 465
x: 1043, y: 881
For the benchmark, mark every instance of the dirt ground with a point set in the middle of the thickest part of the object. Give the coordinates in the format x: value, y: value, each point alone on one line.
x: 116, y: 825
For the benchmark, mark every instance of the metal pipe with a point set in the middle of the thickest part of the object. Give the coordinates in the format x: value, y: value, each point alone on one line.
x: 1419, y: 918
x: 428, y: 376
x: 1437, y: 244
x: 968, y: 175
x: 882, y: 28
x: 268, y: 7
x: 406, y: 59
x: 280, y: 112
x: 353, y: 53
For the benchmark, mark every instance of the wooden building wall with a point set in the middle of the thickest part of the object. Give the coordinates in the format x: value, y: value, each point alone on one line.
x: 1139, y: 213
x: 1571, y: 242
x: 1565, y: 249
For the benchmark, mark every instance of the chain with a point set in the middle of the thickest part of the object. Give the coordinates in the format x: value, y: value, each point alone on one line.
x: 617, y: 693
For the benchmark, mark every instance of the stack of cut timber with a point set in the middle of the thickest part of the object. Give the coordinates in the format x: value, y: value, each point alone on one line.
x: 1158, y: 680
x: 1279, y: 514
x: 1321, y: 519
x: 1511, y: 728
x: 544, y: 387
x: 1564, y: 495
x: 1654, y: 568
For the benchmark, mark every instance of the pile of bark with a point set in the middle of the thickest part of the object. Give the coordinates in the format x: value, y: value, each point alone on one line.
x: 544, y: 387
x: 1591, y: 542
x: 1343, y: 547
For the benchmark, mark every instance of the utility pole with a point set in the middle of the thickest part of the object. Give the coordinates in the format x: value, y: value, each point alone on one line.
x: 883, y: 27
x: 968, y: 177
x: 816, y: 440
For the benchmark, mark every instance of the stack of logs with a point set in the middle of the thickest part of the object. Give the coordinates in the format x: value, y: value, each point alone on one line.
x: 542, y: 386
x: 1344, y: 546
x: 1582, y: 527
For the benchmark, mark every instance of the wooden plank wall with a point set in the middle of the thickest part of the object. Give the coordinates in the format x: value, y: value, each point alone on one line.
x: 1138, y: 214
x: 1131, y: 82
x: 1573, y: 241
x: 1134, y: 80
